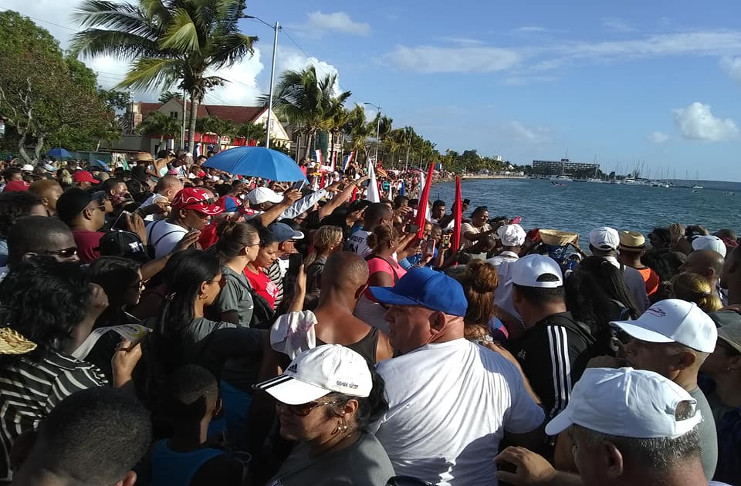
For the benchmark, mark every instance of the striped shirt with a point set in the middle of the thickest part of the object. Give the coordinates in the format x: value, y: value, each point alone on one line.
x: 29, y: 390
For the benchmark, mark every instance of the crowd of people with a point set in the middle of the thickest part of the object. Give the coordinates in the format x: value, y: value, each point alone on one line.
x: 170, y: 324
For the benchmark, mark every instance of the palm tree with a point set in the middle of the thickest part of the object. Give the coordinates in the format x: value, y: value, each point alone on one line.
x: 358, y: 129
x: 252, y: 131
x: 167, y: 42
x: 158, y: 123
x: 307, y: 102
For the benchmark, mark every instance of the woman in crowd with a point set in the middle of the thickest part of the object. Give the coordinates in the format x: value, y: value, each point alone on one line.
x: 384, y: 271
x: 326, y: 406
x: 595, y: 295
x: 327, y: 240
x: 49, y: 309
x: 256, y: 270
x: 479, y: 281
x: 477, y: 229
x: 694, y: 288
x: 723, y: 391
x: 237, y: 247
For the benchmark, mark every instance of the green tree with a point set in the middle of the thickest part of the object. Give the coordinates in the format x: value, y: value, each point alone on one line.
x: 251, y: 131
x: 44, y: 96
x: 159, y: 124
x: 307, y: 102
x: 168, y: 42
x: 358, y: 130
x: 168, y: 95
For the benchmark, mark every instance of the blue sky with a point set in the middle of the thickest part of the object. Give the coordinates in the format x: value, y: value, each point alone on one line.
x: 628, y: 82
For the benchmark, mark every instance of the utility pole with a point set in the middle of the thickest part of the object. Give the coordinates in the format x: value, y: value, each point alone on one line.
x: 272, y: 84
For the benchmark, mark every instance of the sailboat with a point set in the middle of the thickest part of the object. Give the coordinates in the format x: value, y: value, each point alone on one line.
x: 696, y: 185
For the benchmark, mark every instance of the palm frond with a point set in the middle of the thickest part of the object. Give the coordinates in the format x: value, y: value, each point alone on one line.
x: 181, y: 34
x: 95, y: 42
x: 148, y: 74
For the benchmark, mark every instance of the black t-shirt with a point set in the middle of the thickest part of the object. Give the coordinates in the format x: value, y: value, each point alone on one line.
x: 553, y: 355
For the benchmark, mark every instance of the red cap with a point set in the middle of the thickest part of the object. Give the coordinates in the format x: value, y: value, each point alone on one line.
x: 16, y: 186
x: 84, y: 176
x: 197, y: 200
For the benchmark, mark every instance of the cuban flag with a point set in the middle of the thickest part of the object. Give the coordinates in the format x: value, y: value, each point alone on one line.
x: 196, y: 150
x: 319, y: 159
x: 346, y: 162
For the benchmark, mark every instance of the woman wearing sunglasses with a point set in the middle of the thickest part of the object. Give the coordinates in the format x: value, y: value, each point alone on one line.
x: 325, y: 401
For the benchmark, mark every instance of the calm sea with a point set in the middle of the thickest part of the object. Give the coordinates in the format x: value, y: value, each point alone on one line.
x: 582, y: 206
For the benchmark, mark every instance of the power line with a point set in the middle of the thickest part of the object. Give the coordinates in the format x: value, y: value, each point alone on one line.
x: 44, y: 21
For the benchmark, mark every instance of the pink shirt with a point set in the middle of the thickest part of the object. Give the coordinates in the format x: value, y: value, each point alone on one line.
x: 380, y: 265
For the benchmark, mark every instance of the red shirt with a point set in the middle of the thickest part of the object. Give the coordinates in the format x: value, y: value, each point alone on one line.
x: 208, y: 236
x: 263, y: 286
x: 87, y: 245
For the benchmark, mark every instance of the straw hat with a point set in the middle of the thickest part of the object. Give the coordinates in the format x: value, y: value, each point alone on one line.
x: 632, y: 241
x: 143, y: 157
x: 11, y: 342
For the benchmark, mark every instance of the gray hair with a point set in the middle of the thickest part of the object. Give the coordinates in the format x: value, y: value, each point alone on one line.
x: 657, y: 454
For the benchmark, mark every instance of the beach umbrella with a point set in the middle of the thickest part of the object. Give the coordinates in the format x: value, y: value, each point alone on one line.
x: 58, y: 152
x: 257, y: 162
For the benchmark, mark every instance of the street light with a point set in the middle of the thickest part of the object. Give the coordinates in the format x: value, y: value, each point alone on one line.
x: 378, y: 127
x: 275, y: 28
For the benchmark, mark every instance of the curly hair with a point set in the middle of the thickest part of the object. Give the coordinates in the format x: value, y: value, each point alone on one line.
x: 382, y: 234
x: 479, y: 281
x: 13, y: 206
x: 44, y: 300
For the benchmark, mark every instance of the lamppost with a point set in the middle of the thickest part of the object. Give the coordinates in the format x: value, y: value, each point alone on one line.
x: 378, y: 127
x: 275, y: 28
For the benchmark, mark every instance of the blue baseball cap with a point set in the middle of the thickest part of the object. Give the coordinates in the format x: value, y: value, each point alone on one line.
x: 426, y: 288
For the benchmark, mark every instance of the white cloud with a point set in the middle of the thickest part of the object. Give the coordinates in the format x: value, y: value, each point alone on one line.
x: 732, y: 66
x: 657, y: 137
x: 529, y: 29
x: 319, y: 23
x: 696, y: 122
x: 615, y: 24
x: 463, y: 41
x: 554, y: 55
x: 290, y: 59
x: 429, y: 59
x: 517, y: 131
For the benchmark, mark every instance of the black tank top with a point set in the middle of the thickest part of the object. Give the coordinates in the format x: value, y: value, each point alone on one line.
x: 366, y: 347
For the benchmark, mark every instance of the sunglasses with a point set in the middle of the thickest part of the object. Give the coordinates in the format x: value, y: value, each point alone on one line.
x: 304, y: 409
x: 64, y: 253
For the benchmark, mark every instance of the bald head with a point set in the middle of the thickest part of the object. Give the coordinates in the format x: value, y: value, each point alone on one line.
x: 344, y: 270
x: 707, y: 263
x: 49, y: 191
x: 168, y: 186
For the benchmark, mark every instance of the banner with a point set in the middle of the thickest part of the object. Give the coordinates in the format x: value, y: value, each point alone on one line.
x: 423, y: 204
x: 372, y: 194
x: 455, y: 242
x: 346, y: 162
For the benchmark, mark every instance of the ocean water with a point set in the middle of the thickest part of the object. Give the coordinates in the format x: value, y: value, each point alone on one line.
x: 581, y: 206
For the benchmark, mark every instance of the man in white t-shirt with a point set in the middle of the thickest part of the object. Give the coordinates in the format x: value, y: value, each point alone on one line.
x: 191, y: 209
x: 377, y: 214
x: 451, y: 401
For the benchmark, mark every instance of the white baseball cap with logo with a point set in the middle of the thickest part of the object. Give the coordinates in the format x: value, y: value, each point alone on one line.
x: 674, y: 321
x: 709, y: 242
x: 264, y: 194
x: 511, y: 235
x: 319, y: 372
x: 536, y: 271
x: 629, y: 403
x: 604, y: 238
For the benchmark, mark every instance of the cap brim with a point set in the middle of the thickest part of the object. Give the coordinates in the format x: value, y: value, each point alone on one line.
x: 641, y: 333
x: 386, y: 295
x: 297, y: 235
x: 291, y: 391
x: 209, y: 210
x: 560, y: 422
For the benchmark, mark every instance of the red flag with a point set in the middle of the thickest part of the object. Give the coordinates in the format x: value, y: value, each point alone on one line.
x: 422, y: 205
x: 455, y: 242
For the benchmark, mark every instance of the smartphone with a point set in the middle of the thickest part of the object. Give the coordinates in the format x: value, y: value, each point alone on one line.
x: 446, y: 241
x: 411, y: 228
x: 295, y: 260
x: 120, y: 220
x: 466, y: 202
x: 430, y: 247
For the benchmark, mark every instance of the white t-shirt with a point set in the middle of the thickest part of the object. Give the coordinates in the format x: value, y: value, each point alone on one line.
x: 163, y: 236
x: 469, y: 228
x: 505, y: 256
x: 449, y: 405
x: 358, y: 243
x: 503, y: 293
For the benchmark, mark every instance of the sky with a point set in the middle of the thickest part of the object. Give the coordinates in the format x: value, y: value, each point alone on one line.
x: 629, y: 84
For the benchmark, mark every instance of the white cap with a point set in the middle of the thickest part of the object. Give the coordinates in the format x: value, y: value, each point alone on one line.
x: 709, y: 242
x: 318, y: 372
x: 626, y: 402
x: 604, y: 238
x: 529, y: 271
x: 27, y: 168
x: 511, y: 235
x: 674, y: 321
x: 263, y: 195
